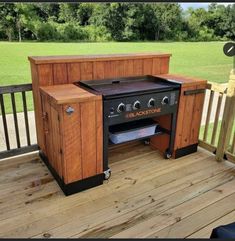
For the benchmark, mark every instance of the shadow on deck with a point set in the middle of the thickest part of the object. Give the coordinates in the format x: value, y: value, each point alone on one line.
x: 146, y: 196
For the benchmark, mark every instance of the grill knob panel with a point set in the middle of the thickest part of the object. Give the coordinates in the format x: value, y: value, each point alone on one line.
x: 151, y: 102
x: 136, y: 105
x: 121, y: 108
x: 165, y: 100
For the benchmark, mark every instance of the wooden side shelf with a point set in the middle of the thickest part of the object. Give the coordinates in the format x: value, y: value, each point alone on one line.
x: 73, y: 135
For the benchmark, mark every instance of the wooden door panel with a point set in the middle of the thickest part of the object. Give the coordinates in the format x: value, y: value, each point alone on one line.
x: 72, y: 143
x: 88, y: 138
x: 197, y: 115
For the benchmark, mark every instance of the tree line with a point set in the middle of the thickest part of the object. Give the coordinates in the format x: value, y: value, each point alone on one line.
x: 115, y: 21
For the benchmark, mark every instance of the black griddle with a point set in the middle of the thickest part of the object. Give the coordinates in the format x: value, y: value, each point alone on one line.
x: 118, y: 87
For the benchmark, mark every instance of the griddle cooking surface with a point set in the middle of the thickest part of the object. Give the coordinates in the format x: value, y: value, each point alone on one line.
x: 124, y: 88
x: 115, y: 87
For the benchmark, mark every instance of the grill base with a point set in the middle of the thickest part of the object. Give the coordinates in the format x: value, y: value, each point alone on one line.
x: 73, y: 187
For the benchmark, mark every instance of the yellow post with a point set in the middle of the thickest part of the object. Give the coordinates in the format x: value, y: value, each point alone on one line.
x: 228, y: 118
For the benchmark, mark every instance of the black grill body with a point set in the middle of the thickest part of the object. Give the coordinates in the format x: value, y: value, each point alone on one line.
x: 130, y: 106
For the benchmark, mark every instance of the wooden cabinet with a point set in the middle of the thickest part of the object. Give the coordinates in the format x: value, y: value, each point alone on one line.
x: 189, y: 116
x: 73, y: 135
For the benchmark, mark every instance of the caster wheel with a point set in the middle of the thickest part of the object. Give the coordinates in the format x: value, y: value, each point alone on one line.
x: 107, y: 174
x: 167, y: 154
x: 146, y: 142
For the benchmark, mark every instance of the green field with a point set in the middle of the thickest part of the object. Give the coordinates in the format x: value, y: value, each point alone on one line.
x: 199, y: 59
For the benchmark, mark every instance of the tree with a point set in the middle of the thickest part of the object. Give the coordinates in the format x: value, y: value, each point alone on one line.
x: 7, y: 19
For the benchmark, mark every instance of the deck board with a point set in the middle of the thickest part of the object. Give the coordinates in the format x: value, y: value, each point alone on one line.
x: 146, y: 196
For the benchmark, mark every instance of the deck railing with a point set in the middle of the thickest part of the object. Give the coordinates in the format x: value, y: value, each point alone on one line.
x: 9, y: 92
x: 217, y: 132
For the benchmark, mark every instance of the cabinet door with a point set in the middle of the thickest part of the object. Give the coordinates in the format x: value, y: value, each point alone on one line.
x: 88, y: 138
x: 189, y: 116
x: 71, y: 141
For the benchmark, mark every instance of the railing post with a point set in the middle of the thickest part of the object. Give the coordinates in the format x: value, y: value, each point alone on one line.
x: 227, y: 120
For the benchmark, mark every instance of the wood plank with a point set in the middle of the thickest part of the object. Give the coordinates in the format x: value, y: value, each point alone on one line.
x: 86, y: 70
x: 138, y: 66
x: 72, y: 148
x: 74, y: 72
x: 216, y: 121
x: 208, y: 116
x: 164, y: 69
x: 99, y: 136
x: 156, y: 66
x: 190, y: 223
x: 88, y: 139
x: 82, y: 198
x: 68, y: 93
x: 187, y: 119
x: 207, y: 146
x: 100, y: 57
x: 197, y: 116
x: 206, y: 231
x: 42, y: 75
x: 60, y: 74
x: 149, y: 212
x: 129, y: 67
x: 151, y: 227
x: 120, y: 197
x: 148, y: 65
x: 121, y: 211
x: 98, y: 70
x: 56, y: 141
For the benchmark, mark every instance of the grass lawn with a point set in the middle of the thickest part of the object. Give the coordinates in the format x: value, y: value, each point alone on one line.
x: 205, y: 60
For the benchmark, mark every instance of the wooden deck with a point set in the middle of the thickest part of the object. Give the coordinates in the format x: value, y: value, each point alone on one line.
x: 146, y: 196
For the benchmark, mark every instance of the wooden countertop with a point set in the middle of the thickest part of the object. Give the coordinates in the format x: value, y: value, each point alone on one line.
x: 68, y: 93
x: 184, y: 80
x: 98, y: 57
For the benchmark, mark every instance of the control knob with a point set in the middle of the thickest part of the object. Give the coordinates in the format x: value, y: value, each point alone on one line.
x: 121, y: 107
x: 151, y: 102
x: 136, y: 105
x: 165, y: 100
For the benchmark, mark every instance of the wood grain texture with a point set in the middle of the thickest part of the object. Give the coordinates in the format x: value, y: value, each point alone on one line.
x: 148, y: 66
x: 74, y: 72
x: 138, y: 66
x: 156, y: 66
x: 98, y: 69
x: 99, y: 135
x: 161, y: 142
x: 188, y: 118
x: 165, y: 193
x: 72, y: 149
x: 86, y: 70
x: 60, y: 74
x: 164, y: 66
x: 197, y: 115
x: 87, y: 58
x: 56, y: 141
x: 68, y: 93
x: 88, y: 138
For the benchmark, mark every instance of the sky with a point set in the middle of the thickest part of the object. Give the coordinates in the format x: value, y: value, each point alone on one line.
x: 198, y: 5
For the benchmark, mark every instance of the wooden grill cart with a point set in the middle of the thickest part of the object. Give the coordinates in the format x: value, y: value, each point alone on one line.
x: 69, y: 119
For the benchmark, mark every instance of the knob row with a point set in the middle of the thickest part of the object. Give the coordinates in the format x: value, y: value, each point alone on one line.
x: 137, y: 105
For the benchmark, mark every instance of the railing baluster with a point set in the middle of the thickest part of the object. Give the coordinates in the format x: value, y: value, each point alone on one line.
x: 26, y: 117
x: 15, y: 119
x: 4, y: 121
x: 233, y: 144
x: 208, y: 117
x: 215, y: 127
